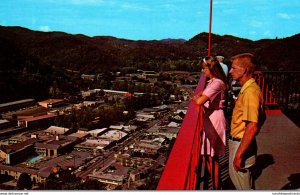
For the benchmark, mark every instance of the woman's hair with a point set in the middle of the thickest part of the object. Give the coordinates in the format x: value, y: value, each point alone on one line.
x: 214, y: 67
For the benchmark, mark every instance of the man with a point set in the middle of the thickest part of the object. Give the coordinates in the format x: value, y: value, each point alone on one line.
x: 224, y: 66
x: 242, y: 144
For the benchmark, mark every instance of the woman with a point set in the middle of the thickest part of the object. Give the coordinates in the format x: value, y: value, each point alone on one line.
x: 214, y: 130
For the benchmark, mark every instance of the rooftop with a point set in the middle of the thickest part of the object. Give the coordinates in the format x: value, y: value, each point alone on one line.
x: 34, y: 118
x: 52, y: 101
x: 57, y: 130
x: 16, y: 102
x: 19, y: 146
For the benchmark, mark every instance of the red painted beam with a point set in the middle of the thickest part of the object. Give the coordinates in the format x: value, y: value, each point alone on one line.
x: 209, y: 31
x: 179, y: 172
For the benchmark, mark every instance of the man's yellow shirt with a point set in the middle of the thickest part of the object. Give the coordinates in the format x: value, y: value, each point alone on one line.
x: 246, y: 108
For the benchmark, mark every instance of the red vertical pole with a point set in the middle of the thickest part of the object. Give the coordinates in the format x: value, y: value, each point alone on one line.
x: 267, y: 95
x: 210, y: 25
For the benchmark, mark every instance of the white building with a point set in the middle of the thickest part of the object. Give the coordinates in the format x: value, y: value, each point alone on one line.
x: 114, y: 135
x: 55, y: 130
x: 97, y: 132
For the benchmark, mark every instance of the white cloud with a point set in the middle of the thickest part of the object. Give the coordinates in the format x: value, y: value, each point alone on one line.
x: 134, y: 7
x: 228, y: 11
x: 88, y: 2
x: 256, y: 24
x: 267, y: 33
x: 200, y: 13
x: 221, y: 2
x: 44, y: 28
x: 78, y: 2
x: 167, y: 5
x: 284, y: 16
x: 107, y: 3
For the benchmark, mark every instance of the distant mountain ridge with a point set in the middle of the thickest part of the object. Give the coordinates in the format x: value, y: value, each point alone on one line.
x: 23, y: 48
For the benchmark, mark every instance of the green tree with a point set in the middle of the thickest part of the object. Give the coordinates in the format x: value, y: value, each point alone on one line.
x: 92, y: 185
x: 24, y: 182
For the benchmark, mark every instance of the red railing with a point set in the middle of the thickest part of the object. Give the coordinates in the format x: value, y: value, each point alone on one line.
x: 182, y: 170
x: 268, y: 95
x: 280, y: 88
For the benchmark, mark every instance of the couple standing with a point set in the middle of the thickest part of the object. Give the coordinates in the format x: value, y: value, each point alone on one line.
x: 242, y: 144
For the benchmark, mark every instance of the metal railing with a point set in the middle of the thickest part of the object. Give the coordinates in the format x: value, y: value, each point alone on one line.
x: 280, y: 88
x: 182, y: 171
x: 183, y: 168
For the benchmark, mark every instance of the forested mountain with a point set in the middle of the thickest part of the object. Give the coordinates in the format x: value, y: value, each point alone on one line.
x: 20, y: 48
x: 32, y: 63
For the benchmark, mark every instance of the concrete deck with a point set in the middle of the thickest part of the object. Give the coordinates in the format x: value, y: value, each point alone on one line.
x: 278, y: 162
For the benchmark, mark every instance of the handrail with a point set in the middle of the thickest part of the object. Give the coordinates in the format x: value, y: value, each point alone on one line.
x: 182, y: 168
x: 268, y: 96
x: 280, y: 87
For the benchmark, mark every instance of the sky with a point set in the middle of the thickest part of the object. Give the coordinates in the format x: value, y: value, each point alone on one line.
x: 155, y: 19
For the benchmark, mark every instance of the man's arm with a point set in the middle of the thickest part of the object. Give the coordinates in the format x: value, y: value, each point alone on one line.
x: 250, y: 131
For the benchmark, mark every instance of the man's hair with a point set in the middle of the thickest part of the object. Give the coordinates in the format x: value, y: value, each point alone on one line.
x: 245, y: 60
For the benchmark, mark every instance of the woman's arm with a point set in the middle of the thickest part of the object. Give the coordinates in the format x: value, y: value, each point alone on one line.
x: 199, y: 99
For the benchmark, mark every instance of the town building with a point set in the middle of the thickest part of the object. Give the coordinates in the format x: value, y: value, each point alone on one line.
x: 125, y: 128
x: 97, y: 132
x: 129, y: 161
x: 52, y: 103
x: 115, y: 174
x: 90, y: 77
x: 18, y: 152
x: 37, y: 176
x: 56, y: 145
x: 113, y: 135
x: 54, y: 130
x: 169, y: 132
x: 93, y: 145
x: 34, y: 121
x: 4, y: 123
x: 147, y: 148
x: 11, y: 106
